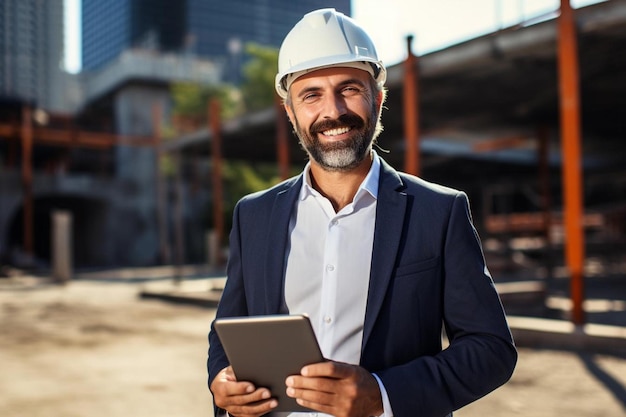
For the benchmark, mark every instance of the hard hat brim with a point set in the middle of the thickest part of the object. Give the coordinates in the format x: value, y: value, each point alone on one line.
x: 375, y: 69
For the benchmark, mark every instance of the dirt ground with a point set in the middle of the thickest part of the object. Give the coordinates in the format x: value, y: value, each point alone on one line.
x: 95, y: 349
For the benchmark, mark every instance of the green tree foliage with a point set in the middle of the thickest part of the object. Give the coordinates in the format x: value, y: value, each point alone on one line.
x: 191, y: 100
x: 239, y: 179
x: 242, y: 177
x: 190, y: 103
x: 259, y: 72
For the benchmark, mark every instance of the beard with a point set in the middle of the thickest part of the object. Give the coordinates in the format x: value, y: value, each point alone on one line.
x: 342, y: 155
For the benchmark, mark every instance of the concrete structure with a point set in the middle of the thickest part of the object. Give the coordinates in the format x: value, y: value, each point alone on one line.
x: 132, y: 52
x: 483, y: 105
x: 490, y: 124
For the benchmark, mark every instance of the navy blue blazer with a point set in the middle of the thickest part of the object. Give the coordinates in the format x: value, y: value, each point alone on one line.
x: 427, y: 271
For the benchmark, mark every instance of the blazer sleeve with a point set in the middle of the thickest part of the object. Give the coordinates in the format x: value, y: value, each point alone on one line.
x: 234, y: 293
x: 481, y: 354
x: 253, y: 284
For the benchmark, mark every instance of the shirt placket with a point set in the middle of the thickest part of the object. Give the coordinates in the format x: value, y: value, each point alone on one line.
x: 329, y: 287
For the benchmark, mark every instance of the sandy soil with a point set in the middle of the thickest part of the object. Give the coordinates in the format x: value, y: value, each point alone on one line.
x: 92, y: 349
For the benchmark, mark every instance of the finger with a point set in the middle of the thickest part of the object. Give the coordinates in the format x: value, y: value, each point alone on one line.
x: 254, y: 410
x: 302, y: 383
x: 249, y: 403
x: 257, y: 403
x: 309, y: 394
x: 225, y: 384
x: 319, y: 377
x: 222, y: 386
x: 238, y: 388
x: 336, y: 388
x: 328, y: 369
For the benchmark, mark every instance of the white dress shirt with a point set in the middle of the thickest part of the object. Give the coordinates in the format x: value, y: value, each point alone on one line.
x: 328, y: 268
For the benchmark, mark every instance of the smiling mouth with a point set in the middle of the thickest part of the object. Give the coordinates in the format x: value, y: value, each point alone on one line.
x: 337, y: 131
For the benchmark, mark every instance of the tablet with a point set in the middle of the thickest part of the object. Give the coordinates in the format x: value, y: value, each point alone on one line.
x: 266, y: 349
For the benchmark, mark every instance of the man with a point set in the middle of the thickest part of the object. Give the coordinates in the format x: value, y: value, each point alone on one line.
x: 379, y: 260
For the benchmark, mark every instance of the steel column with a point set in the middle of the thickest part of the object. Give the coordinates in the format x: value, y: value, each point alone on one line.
x: 216, y: 155
x: 27, y: 179
x: 571, y: 156
x: 411, y: 113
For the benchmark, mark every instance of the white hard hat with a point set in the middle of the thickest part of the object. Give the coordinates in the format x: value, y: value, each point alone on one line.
x: 326, y: 38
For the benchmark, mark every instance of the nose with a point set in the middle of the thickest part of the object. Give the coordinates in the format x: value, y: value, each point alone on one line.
x: 334, y: 106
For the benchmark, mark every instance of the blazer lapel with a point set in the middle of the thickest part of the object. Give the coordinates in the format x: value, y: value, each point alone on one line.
x: 276, y: 248
x: 390, y: 212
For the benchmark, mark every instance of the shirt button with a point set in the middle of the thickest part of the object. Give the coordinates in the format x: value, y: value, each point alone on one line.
x: 330, y: 268
x: 335, y: 222
x: 327, y: 319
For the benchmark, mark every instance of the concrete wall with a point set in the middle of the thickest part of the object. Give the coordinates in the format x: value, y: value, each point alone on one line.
x: 134, y: 219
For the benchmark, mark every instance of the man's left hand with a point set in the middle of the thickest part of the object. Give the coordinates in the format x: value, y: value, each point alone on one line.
x: 336, y: 388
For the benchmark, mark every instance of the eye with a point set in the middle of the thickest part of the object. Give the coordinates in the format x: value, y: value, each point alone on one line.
x: 310, y: 97
x: 350, y: 90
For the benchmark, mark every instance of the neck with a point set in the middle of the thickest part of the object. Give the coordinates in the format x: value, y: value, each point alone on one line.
x: 339, y: 187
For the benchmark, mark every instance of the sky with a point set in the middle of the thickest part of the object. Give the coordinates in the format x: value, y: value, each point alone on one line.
x: 434, y: 24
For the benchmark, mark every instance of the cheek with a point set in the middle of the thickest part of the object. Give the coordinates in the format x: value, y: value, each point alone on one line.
x: 361, y: 106
x: 304, y: 118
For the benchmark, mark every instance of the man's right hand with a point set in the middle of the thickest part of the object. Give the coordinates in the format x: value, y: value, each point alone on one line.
x: 240, y: 399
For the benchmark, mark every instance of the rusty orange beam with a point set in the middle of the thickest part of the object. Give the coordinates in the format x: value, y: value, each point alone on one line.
x: 411, y: 112
x: 129, y: 140
x: 61, y: 137
x: 498, y: 144
x: 70, y: 137
x: 571, y: 156
x: 27, y: 179
x: 216, y: 154
x: 9, y: 130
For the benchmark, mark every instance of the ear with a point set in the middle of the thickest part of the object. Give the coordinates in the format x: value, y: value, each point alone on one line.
x: 379, y: 100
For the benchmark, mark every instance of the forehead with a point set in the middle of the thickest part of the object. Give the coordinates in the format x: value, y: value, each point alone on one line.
x: 330, y: 76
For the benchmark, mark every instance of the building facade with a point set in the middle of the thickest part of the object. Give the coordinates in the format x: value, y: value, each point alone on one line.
x: 31, y: 52
x: 213, y: 29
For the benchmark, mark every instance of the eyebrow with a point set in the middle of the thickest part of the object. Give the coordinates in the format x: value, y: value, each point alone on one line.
x: 343, y: 83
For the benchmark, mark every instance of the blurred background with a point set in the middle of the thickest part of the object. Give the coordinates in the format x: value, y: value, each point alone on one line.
x: 130, y: 128
x: 106, y: 118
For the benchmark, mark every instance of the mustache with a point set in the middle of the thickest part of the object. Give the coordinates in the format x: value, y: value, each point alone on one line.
x: 351, y: 120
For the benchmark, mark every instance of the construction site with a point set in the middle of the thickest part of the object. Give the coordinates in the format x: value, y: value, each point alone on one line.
x: 526, y: 120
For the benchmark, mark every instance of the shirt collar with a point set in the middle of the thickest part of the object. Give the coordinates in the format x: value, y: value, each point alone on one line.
x: 369, y: 184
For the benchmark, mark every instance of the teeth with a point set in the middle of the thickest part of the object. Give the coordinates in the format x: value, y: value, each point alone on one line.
x: 335, y: 132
